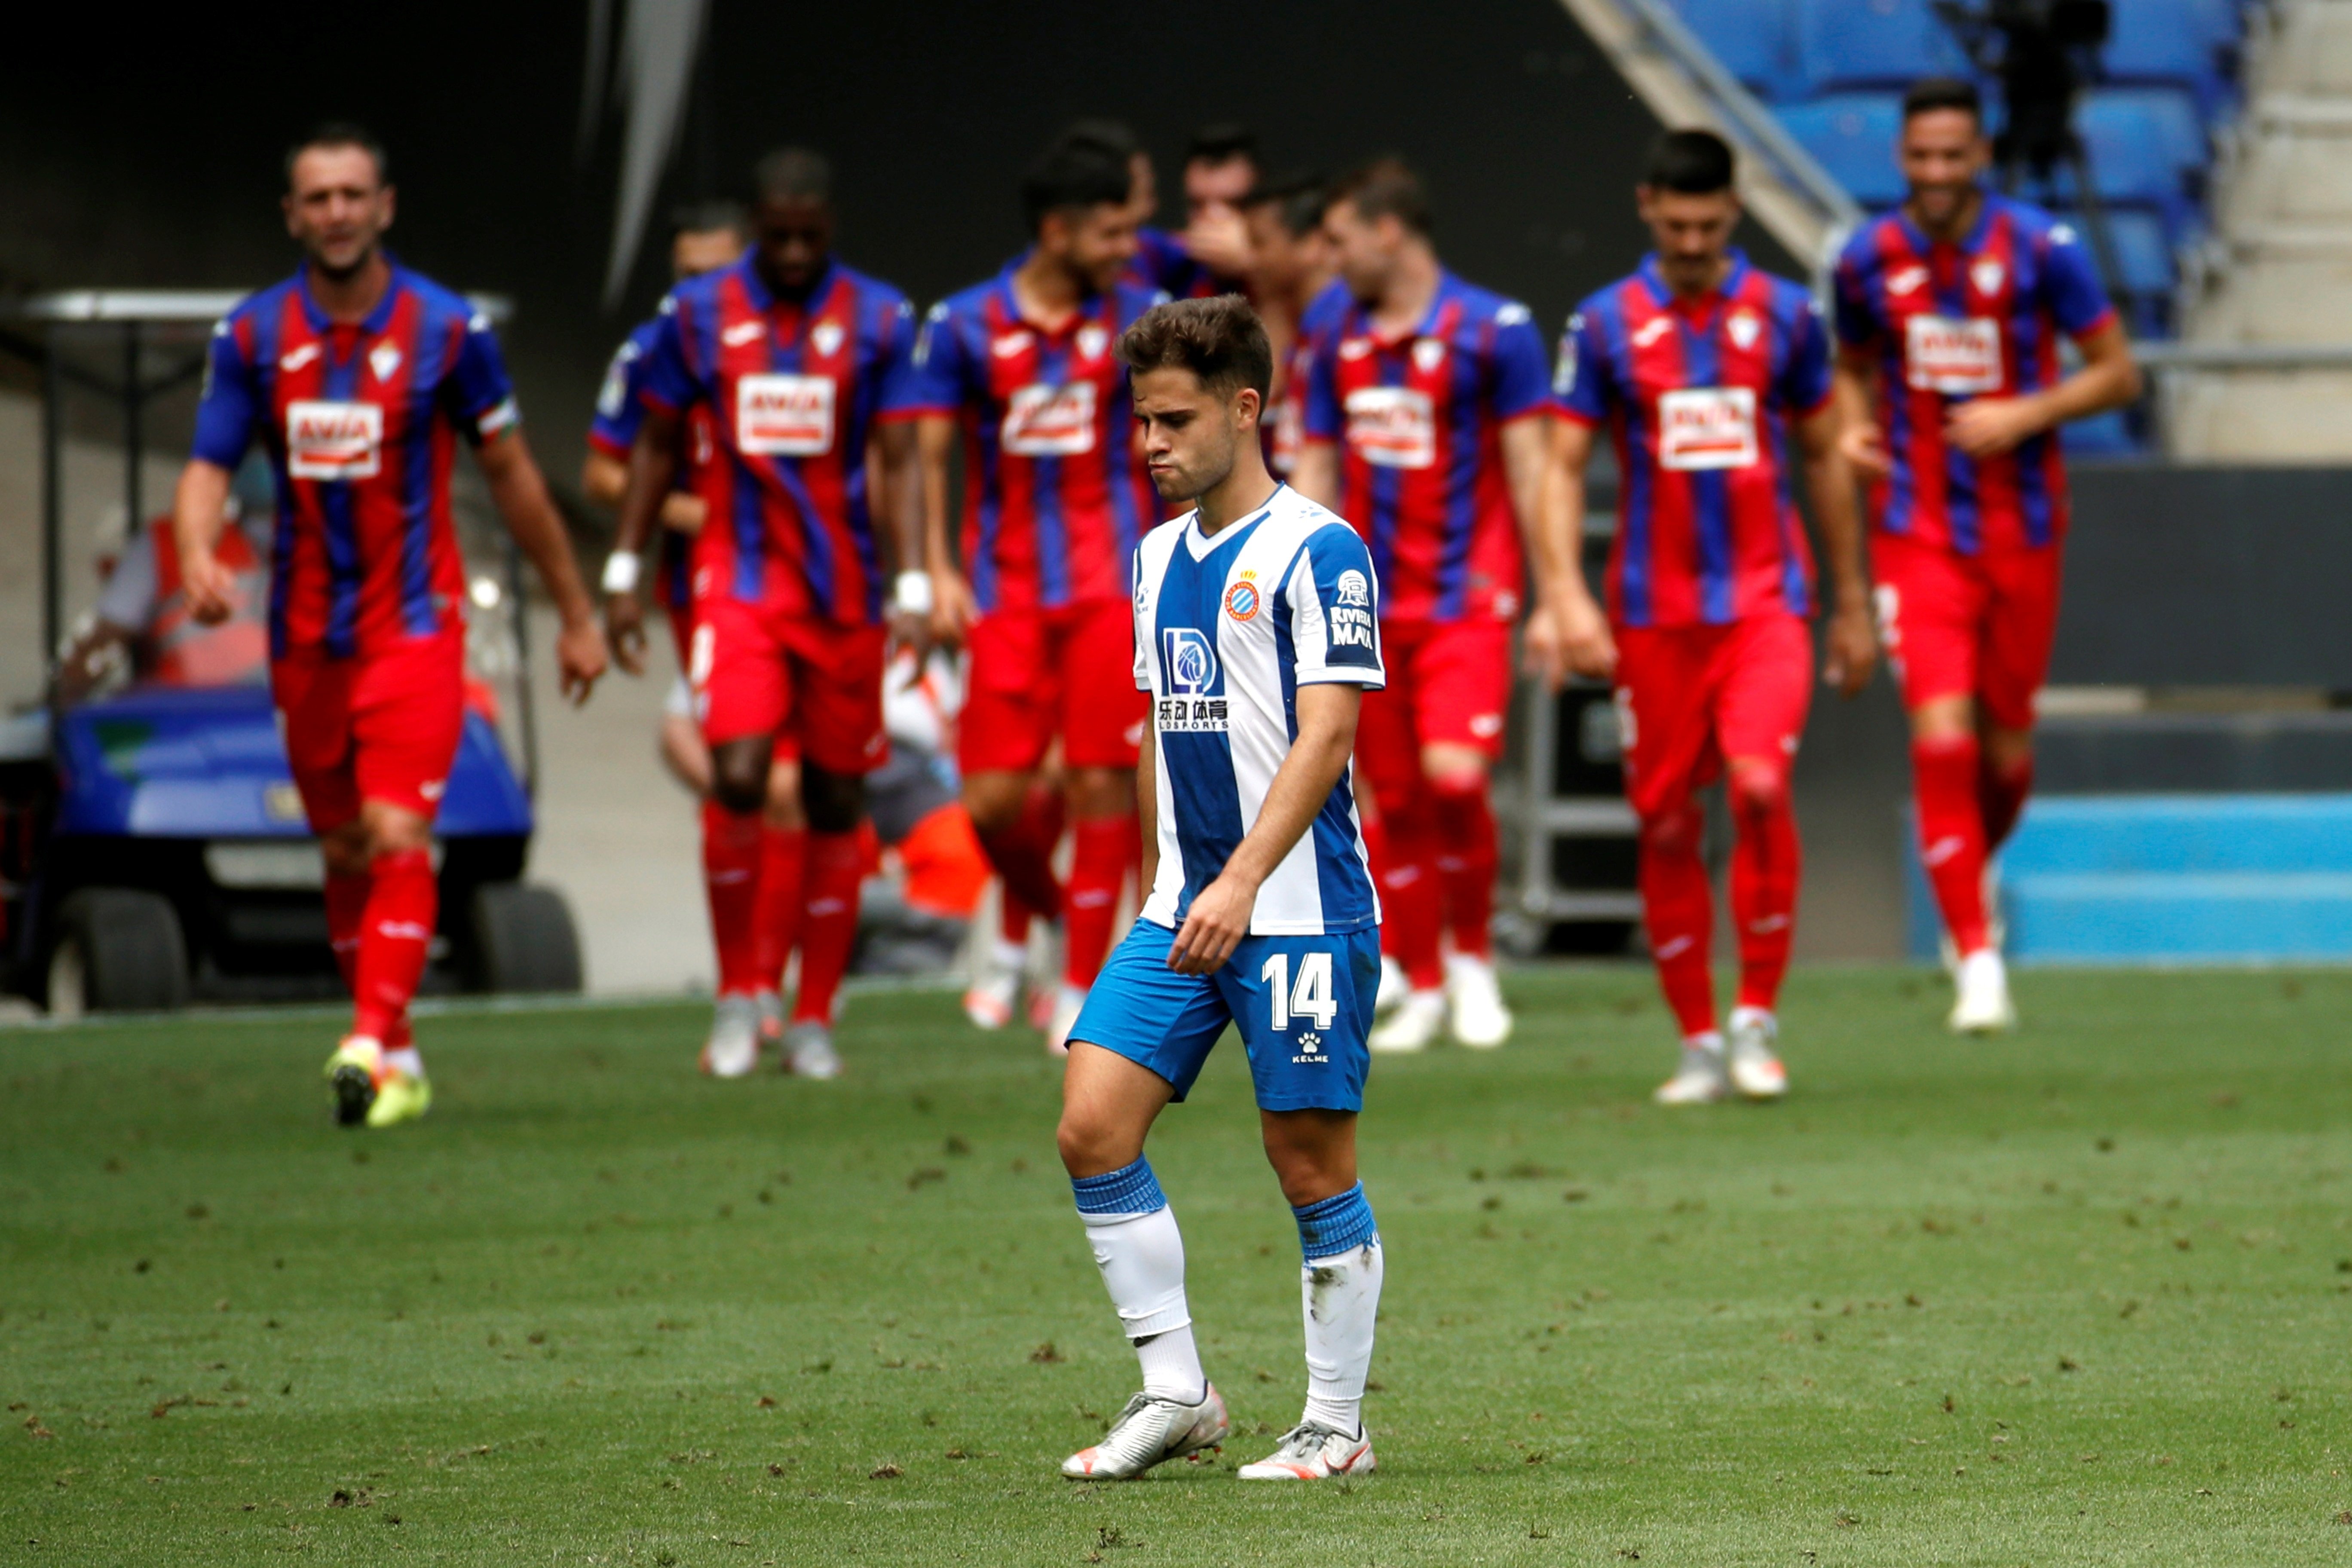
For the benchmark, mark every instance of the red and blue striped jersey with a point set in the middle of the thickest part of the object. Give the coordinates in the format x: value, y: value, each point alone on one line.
x: 620, y: 410
x: 358, y: 420
x: 1162, y: 262
x: 793, y: 387
x: 1055, y: 495
x: 1697, y: 394
x: 1419, y: 419
x: 1949, y: 323
x: 1287, y: 426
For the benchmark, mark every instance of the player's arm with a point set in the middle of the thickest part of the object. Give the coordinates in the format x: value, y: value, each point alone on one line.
x: 1551, y: 554
x: 1220, y: 915
x: 605, y: 479
x: 914, y: 594
x: 1829, y: 481
x: 1854, y: 388
x: 652, y: 471
x: 2109, y: 378
x: 952, y: 607
x: 519, y: 492
x: 1316, y: 474
x: 1585, y: 639
x: 199, y: 506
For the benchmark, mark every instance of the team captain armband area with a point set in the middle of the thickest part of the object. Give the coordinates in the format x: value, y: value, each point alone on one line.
x: 595, y: 1304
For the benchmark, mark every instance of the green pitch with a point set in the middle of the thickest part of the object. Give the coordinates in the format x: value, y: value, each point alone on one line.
x: 2083, y: 1296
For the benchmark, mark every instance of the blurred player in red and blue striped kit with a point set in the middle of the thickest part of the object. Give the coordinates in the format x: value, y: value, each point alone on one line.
x: 1705, y: 372
x: 356, y: 375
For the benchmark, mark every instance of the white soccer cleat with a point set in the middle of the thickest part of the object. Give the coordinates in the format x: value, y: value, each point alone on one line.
x: 733, y: 1048
x: 1701, y: 1079
x: 1068, y: 999
x: 808, y: 1050
x: 1149, y: 1432
x: 1311, y: 1451
x: 1983, y: 1006
x: 1474, y: 1002
x: 1394, y: 986
x: 990, y: 1001
x: 1413, y: 1027
x: 1752, y: 1060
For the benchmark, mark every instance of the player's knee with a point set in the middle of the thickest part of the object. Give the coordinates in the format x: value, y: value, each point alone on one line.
x: 994, y: 800
x: 1457, y: 789
x: 1677, y: 830
x: 345, y: 850
x: 1758, y: 791
x: 386, y: 829
x: 1396, y: 798
x: 1101, y: 792
x: 739, y: 776
x: 833, y: 801
x: 1088, y: 1145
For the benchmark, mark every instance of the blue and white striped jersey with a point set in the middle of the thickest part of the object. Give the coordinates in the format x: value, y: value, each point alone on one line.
x: 1227, y: 630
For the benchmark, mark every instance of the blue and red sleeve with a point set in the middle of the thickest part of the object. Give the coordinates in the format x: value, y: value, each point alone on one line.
x: 1581, y: 388
x: 668, y: 377
x: 900, y: 386
x: 2069, y: 281
x: 619, y: 410
x: 1521, y: 373
x: 1857, y: 320
x: 1323, y: 414
x: 231, y: 401
x: 477, y: 392
x: 939, y: 378
x: 1805, y: 378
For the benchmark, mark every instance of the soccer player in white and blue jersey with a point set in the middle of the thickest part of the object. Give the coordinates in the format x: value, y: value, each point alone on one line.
x: 1256, y: 634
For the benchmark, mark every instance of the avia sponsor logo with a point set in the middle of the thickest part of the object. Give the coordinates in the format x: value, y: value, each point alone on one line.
x: 385, y: 360
x: 826, y: 338
x: 1042, y: 421
x: 333, y: 440
x: 1953, y: 355
x: 1241, y: 601
x: 783, y: 416
x: 1392, y: 426
x: 1702, y: 427
x: 1190, y: 660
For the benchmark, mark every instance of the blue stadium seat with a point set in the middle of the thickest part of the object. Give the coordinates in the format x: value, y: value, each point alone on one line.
x: 1848, y: 44
x: 2185, y: 44
x: 2148, y: 152
x: 1755, y: 39
x: 1853, y: 136
x: 2144, y: 252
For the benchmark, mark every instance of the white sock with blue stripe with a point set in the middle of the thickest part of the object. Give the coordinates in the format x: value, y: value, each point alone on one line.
x: 1339, y: 1286
x: 1142, y: 1254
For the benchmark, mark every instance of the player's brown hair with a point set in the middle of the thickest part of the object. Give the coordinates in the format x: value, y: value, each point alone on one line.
x: 1221, y: 341
x: 341, y: 133
x: 1932, y: 93
x: 1387, y: 187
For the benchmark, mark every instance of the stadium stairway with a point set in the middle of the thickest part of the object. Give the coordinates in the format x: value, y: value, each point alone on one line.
x: 2282, y: 272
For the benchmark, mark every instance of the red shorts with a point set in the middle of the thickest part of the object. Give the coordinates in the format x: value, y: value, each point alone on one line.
x: 1036, y: 674
x: 378, y: 726
x: 815, y: 685
x: 1449, y: 684
x: 1967, y: 625
x: 1688, y: 697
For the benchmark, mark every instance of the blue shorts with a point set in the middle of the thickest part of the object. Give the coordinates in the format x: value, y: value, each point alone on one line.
x: 1302, y: 1003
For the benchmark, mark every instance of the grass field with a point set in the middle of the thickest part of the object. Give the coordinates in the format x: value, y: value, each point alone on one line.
x: 2081, y: 1296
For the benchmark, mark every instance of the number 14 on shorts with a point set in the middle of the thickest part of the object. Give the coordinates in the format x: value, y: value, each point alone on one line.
x: 1312, y: 997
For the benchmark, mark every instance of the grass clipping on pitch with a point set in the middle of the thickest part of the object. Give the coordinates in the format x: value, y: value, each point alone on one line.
x: 2080, y: 1296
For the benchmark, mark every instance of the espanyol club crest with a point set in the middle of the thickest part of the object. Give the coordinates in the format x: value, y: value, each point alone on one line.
x: 1093, y: 339
x: 1241, y: 601
x: 1988, y: 274
x: 384, y: 359
x: 1428, y: 354
x: 825, y: 337
x: 1744, y: 328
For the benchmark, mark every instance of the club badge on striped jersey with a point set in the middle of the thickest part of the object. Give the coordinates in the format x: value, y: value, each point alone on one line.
x: 1241, y: 601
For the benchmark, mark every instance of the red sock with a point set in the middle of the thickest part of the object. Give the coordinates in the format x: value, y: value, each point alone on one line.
x: 776, y: 924
x: 1411, y: 902
x: 395, y: 936
x: 1466, y: 865
x: 836, y: 865
x: 732, y: 853
x: 1952, y: 834
x: 2000, y: 798
x: 1765, y: 864
x: 1678, y: 907
x: 1098, y: 858
x: 1023, y: 853
x: 347, y: 900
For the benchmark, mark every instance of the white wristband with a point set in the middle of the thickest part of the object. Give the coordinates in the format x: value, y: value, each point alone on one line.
x: 912, y: 594
x: 620, y: 569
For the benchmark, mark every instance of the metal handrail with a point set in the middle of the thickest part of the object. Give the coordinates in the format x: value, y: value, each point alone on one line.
x: 2170, y: 355
x: 1755, y: 122
x: 163, y: 305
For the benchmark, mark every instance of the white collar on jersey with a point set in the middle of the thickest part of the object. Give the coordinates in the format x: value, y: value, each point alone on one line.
x: 1201, y: 544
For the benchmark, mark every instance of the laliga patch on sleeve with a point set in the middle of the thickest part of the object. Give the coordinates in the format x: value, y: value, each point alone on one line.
x: 333, y: 440
x: 1042, y: 421
x: 1951, y: 355
x: 1392, y: 426
x: 1704, y: 427
x: 783, y: 416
